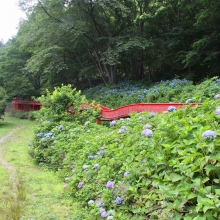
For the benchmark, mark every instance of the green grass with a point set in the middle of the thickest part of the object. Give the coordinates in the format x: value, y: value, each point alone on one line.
x: 39, y: 191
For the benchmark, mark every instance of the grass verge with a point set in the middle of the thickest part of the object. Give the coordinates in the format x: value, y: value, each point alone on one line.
x: 29, y: 191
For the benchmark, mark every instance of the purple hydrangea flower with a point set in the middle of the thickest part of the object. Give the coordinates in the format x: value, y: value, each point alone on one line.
x: 90, y: 202
x: 103, y: 213
x: 209, y: 134
x: 91, y: 157
x: 80, y: 184
x: 67, y: 179
x: 100, y: 204
x: 110, y: 184
x: 118, y: 201
x: 112, y: 123
x: 65, y: 186
x: 147, y: 133
x: 217, y: 111
x: 217, y: 96
x: 96, y: 166
x: 171, y: 108
x: 126, y: 173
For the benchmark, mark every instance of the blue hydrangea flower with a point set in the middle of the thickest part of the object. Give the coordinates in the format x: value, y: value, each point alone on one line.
x: 121, y: 131
x: 188, y: 101
x: 124, y: 127
x: 147, y: 133
x: 47, y: 135
x: 217, y: 96
x: 100, y: 204
x: 151, y: 115
x: 90, y: 202
x: 217, y: 111
x: 91, y: 157
x: 112, y: 123
x: 209, y: 134
x: 39, y: 134
x: 140, y: 118
x: 218, y: 80
x: 171, y: 108
x: 118, y: 201
x: 96, y: 166
x: 61, y: 127
x: 110, y: 184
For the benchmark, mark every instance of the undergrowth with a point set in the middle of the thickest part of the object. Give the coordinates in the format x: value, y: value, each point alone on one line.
x: 148, y: 166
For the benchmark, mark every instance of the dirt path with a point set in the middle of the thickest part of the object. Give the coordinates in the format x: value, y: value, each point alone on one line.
x: 8, y: 138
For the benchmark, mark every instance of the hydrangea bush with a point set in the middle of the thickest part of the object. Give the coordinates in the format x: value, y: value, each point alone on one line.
x: 176, y: 90
x: 165, y: 166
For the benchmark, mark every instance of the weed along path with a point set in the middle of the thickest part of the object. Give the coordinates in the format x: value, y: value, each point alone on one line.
x: 28, y: 191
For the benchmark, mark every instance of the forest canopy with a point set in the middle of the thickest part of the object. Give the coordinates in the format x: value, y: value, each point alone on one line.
x: 86, y: 42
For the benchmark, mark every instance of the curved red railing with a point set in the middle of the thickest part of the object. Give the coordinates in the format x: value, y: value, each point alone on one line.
x: 107, y: 113
x: 125, y: 111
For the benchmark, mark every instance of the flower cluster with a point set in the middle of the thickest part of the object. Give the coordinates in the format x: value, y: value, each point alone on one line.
x: 96, y: 166
x: 217, y: 111
x: 171, y: 108
x: 188, y: 101
x: 147, y: 126
x: 103, y: 213
x: 80, y: 184
x: 122, y: 130
x: 126, y: 173
x: 90, y: 202
x: 147, y: 133
x: 118, y: 200
x: 113, y: 123
x: 39, y: 134
x: 209, y: 134
x: 217, y: 96
x: 61, y: 127
x: 110, y: 184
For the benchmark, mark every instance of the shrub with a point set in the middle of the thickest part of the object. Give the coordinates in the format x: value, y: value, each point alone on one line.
x: 3, y: 101
x: 172, y: 174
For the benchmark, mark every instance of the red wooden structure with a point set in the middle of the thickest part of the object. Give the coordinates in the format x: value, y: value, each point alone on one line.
x: 23, y: 105
x: 107, y: 113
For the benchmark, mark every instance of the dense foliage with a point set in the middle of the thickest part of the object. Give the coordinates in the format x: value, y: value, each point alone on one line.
x: 148, y: 166
x: 3, y: 101
x: 129, y: 92
x: 85, y: 42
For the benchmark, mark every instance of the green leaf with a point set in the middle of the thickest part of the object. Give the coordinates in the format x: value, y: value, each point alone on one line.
x: 212, y: 168
x: 176, y: 177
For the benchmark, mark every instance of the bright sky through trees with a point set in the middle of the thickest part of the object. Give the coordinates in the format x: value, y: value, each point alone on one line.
x: 10, y: 15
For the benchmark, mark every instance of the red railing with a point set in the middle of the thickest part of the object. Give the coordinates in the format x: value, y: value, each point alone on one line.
x: 106, y: 113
